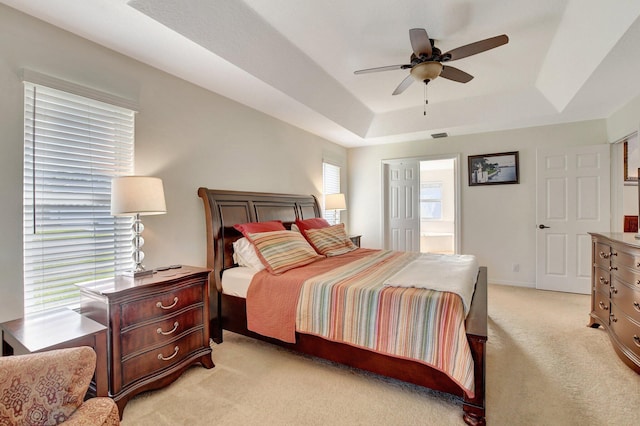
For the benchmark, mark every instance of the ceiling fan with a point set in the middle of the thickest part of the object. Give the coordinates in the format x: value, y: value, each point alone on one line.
x: 427, y: 60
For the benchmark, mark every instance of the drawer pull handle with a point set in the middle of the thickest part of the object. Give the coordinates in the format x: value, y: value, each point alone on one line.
x: 613, y: 268
x: 604, y: 255
x: 604, y: 281
x: 175, y: 302
x: 637, y: 282
x: 614, y: 290
x: 175, y: 352
x: 636, y: 340
x: 636, y: 306
x: 613, y: 318
x: 166, y: 333
x: 614, y: 253
x: 602, y: 306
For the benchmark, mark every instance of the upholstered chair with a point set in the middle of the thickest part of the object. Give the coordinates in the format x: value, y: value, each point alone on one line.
x: 48, y: 388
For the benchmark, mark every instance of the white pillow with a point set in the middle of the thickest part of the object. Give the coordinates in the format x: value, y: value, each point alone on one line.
x: 244, y: 254
x: 295, y: 228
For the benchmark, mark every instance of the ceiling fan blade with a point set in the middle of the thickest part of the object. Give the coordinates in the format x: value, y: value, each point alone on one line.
x: 387, y: 68
x: 403, y: 85
x: 455, y: 74
x: 420, y: 42
x: 474, y: 48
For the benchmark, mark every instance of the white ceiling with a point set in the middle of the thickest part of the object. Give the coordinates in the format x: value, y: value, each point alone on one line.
x: 567, y: 60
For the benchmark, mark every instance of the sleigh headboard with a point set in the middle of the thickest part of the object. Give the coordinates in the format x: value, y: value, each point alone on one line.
x: 223, y: 209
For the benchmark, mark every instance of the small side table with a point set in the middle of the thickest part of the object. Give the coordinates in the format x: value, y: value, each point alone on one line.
x: 58, y: 329
x: 355, y: 239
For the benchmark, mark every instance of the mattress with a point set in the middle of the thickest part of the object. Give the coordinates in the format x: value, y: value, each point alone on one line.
x: 235, y: 281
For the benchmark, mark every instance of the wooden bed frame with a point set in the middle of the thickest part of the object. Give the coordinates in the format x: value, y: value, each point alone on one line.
x: 223, y: 209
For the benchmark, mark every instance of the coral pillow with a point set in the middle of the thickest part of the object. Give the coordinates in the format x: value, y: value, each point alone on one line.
x: 281, y: 251
x: 331, y: 241
x: 313, y: 223
x: 255, y: 227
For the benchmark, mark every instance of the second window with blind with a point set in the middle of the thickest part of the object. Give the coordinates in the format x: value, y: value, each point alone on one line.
x: 330, y: 185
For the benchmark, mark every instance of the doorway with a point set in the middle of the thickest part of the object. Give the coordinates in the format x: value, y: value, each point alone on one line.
x: 421, y: 204
x: 437, y: 206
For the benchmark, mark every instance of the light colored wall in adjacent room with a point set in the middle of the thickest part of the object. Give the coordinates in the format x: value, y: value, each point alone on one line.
x: 498, y: 221
x: 185, y: 135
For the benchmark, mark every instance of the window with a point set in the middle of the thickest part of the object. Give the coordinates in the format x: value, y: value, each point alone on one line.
x: 431, y: 201
x: 73, y: 147
x: 330, y: 185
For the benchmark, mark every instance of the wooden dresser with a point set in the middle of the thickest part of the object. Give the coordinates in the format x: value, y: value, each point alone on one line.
x: 158, y: 325
x: 615, y: 292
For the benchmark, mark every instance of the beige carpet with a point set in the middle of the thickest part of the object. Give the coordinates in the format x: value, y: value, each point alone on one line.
x: 544, y: 367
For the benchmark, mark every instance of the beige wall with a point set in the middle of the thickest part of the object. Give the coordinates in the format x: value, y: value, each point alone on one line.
x: 498, y: 221
x: 187, y: 136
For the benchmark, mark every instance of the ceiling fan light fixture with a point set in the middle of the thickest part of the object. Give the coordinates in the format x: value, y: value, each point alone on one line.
x: 426, y: 70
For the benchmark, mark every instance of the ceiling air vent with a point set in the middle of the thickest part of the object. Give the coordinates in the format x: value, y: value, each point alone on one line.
x: 439, y: 135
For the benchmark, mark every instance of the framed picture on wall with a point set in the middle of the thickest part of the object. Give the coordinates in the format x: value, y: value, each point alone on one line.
x: 631, y: 159
x: 494, y: 169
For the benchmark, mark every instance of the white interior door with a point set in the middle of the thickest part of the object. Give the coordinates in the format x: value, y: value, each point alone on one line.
x: 403, y: 217
x: 573, y: 186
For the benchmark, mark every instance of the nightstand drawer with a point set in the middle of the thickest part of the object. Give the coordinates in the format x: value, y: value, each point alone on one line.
x: 161, y: 331
x: 163, y: 357
x: 161, y: 304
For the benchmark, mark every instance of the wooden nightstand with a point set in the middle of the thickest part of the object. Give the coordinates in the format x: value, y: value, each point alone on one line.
x: 355, y: 239
x: 158, y: 325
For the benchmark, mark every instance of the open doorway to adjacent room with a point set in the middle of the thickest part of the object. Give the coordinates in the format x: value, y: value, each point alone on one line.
x: 437, y: 206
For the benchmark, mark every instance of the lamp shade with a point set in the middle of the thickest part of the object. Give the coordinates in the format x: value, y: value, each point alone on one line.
x: 335, y: 202
x: 131, y: 195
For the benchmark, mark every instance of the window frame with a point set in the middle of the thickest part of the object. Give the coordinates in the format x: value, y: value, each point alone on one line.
x: 70, y: 156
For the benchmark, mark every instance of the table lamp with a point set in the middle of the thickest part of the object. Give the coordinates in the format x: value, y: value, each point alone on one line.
x: 137, y: 196
x: 335, y: 202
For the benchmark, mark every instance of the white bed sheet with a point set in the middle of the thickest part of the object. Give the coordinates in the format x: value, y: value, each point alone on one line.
x: 235, y: 281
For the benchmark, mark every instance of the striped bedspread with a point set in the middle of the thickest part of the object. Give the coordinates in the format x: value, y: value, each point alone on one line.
x: 350, y: 304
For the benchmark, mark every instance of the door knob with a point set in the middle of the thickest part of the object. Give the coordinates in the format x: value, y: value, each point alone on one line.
x: 543, y: 226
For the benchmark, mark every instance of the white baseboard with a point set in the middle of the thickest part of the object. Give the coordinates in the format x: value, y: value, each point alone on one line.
x: 513, y: 283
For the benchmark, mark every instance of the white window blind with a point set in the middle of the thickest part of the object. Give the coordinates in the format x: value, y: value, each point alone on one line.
x: 331, y: 185
x: 73, y: 147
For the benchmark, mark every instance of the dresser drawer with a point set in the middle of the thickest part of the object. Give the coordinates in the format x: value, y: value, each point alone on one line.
x: 627, y: 275
x: 155, y: 360
x: 627, y: 299
x: 601, y: 279
x: 621, y: 258
x: 601, y: 255
x: 158, y: 332
x: 601, y: 306
x: 626, y: 331
x: 160, y: 304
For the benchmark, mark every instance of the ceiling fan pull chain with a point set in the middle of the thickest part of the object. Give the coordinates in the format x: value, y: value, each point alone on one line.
x: 426, y: 101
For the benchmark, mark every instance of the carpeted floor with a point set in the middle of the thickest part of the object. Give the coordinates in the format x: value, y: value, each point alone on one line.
x: 544, y: 367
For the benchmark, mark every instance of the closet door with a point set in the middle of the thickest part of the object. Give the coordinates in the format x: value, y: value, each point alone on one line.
x: 402, y: 205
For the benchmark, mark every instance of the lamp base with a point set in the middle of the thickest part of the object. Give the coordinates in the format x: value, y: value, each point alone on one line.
x: 138, y: 274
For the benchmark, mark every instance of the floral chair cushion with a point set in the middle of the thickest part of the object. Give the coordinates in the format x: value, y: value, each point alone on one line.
x: 47, y: 388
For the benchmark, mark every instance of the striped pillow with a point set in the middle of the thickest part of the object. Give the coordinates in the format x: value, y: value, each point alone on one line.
x: 331, y: 241
x: 280, y: 251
